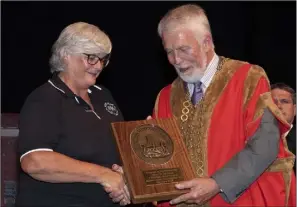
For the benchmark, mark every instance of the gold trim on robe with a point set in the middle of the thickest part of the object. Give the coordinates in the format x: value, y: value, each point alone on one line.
x: 194, y: 126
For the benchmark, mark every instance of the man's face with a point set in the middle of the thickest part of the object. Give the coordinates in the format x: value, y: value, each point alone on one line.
x: 185, y: 53
x: 283, y: 99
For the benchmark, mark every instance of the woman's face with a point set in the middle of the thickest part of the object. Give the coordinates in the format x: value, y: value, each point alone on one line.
x: 84, y: 68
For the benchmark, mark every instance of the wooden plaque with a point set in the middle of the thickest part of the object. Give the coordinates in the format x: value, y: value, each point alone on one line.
x: 154, y: 158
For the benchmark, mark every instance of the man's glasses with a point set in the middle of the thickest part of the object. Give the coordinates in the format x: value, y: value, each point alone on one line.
x: 94, y: 59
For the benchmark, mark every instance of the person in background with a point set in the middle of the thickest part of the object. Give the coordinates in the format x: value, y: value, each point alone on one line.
x: 285, y: 98
x: 66, y: 147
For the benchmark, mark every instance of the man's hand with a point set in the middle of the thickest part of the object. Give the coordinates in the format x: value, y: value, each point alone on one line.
x: 201, y: 191
x: 114, y: 184
x: 149, y: 118
x: 120, y: 195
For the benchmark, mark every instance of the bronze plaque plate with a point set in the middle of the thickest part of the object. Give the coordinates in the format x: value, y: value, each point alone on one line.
x: 151, y: 144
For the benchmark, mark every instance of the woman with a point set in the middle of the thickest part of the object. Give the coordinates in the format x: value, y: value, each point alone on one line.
x: 66, y: 145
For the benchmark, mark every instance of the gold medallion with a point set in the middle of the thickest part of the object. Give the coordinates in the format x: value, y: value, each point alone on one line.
x: 151, y: 144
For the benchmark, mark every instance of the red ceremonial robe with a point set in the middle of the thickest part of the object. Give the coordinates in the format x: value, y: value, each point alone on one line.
x: 220, y: 125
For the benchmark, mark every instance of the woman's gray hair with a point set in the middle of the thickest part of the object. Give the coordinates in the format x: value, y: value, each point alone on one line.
x: 189, y: 16
x: 78, y: 38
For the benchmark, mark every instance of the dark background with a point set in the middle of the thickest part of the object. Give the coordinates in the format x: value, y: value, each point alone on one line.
x: 263, y: 33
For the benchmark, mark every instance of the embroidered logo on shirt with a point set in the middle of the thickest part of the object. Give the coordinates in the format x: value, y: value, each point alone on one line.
x: 111, y: 108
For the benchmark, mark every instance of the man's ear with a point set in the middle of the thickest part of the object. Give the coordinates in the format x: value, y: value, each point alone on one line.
x: 207, y: 43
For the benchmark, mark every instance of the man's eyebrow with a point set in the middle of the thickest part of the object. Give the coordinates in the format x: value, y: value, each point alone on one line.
x: 178, y: 48
x: 184, y: 47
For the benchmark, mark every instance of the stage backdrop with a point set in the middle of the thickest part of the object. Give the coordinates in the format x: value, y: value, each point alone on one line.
x: 263, y: 33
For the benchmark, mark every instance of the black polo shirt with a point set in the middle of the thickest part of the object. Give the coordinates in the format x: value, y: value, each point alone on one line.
x: 54, y: 118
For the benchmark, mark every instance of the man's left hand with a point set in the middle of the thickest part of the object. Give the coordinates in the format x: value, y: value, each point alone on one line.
x: 201, y: 191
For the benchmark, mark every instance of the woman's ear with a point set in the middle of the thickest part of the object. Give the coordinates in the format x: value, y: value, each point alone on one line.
x: 66, y: 59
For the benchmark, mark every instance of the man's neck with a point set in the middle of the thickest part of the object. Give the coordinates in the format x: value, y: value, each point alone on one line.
x: 209, y: 56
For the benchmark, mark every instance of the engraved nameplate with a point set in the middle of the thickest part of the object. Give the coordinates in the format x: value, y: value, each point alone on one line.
x: 168, y: 175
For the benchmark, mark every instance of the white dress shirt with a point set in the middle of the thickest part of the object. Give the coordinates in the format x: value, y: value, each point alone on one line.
x: 286, y: 134
x: 208, y: 75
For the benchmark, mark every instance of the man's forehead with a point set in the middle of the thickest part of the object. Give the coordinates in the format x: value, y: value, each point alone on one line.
x: 178, y: 33
x: 281, y: 93
x: 179, y: 38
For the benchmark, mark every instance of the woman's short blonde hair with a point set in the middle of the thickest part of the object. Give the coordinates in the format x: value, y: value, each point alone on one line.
x: 78, y: 38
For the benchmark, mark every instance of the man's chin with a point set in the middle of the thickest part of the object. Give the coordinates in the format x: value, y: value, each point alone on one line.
x: 189, y: 79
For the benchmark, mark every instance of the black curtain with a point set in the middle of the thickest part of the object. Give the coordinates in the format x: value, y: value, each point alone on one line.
x: 262, y: 33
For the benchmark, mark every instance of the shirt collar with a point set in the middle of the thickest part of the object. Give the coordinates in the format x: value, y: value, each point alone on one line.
x: 286, y: 134
x: 208, y: 74
x: 58, y: 84
x: 210, y: 71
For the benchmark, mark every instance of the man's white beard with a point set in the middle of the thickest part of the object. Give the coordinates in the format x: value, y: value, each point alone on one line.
x: 192, y: 78
x: 196, y: 74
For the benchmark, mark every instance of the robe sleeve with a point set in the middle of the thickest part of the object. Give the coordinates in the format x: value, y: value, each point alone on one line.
x: 262, y: 135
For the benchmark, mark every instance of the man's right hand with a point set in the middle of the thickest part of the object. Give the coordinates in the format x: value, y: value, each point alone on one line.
x: 111, y: 179
x: 120, y: 170
x: 114, y: 184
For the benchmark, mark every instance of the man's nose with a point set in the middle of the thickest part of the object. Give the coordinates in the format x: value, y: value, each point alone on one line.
x: 176, y: 58
x: 278, y: 103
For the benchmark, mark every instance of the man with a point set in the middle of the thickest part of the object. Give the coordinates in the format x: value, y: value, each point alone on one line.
x: 285, y: 98
x: 229, y: 123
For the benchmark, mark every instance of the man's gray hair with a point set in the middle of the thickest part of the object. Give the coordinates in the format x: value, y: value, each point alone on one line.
x: 189, y: 16
x: 78, y: 38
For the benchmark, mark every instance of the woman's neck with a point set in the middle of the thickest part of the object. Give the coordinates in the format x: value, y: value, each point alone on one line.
x: 74, y: 87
